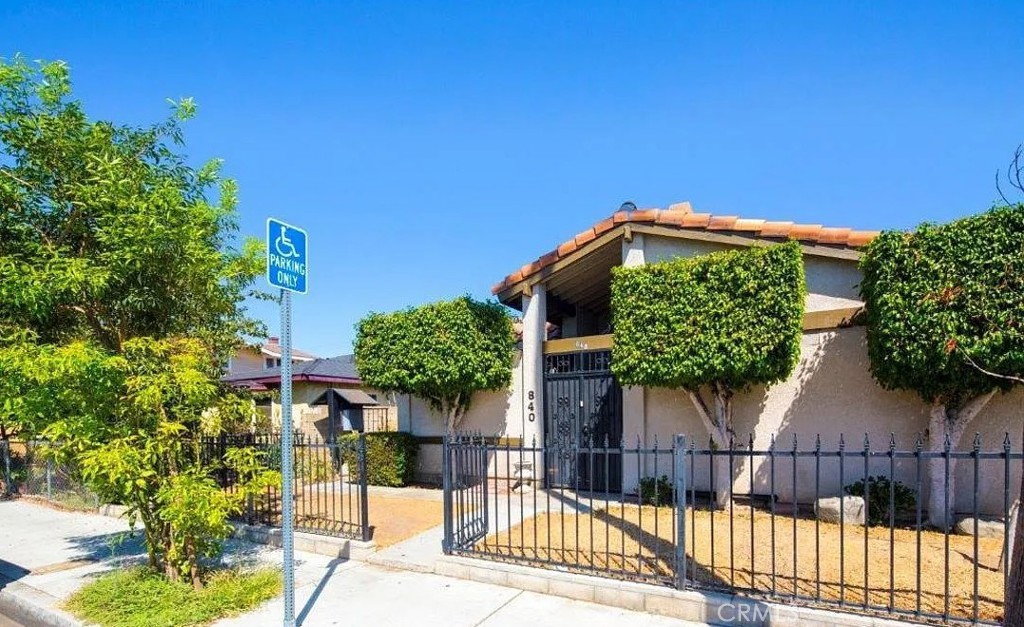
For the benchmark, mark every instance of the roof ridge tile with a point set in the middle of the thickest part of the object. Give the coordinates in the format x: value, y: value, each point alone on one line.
x: 681, y: 215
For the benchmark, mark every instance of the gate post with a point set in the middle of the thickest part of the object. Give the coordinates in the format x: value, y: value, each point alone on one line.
x: 484, y: 468
x: 679, y: 472
x: 364, y: 496
x: 446, y: 488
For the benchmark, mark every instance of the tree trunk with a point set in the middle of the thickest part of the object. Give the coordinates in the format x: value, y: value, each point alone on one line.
x: 719, y: 426
x: 193, y: 565
x: 951, y: 422
x: 1015, y: 586
x: 454, y: 411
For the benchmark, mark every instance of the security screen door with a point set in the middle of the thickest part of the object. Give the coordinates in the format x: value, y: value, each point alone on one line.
x: 583, y: 416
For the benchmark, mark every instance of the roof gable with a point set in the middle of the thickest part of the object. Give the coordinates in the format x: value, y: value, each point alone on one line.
x: 679, y: 219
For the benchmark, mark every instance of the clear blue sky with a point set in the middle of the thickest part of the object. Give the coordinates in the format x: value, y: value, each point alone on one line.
x: 431, y: 148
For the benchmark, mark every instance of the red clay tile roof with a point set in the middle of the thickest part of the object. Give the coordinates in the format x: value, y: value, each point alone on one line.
x: 682, y: 217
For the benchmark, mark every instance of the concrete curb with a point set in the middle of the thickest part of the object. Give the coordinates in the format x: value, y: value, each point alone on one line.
x: 321, y: 545
x: 271, y: 536
x: 702, y: 607
x: 32, y: 607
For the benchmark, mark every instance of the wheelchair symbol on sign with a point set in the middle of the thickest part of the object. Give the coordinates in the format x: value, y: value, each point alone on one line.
x: 284, y: 246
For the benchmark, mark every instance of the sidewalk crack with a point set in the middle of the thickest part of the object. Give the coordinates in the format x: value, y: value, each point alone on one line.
x: 499, y: 608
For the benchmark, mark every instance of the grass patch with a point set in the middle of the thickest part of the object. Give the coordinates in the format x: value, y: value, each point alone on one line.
x: 139, y: 597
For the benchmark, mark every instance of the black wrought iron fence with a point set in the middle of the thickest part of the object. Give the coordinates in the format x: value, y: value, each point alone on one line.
x: 844, y: 526
x: 330, y: 495
x: 27, y: 470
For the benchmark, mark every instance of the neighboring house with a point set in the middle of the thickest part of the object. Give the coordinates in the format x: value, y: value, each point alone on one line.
x: 328, y: 397
x: 262, y: 357
x: 575, y: 397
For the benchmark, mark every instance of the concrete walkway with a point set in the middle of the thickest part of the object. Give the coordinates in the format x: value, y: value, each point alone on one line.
x: 420, y: 553
x: 45, y: 555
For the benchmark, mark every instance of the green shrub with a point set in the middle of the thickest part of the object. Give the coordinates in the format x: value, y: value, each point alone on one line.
x: 390, y: 458
x: 139, y: 597
x: 443, y: 352
x: 878, y: 499
x: 656, y: 491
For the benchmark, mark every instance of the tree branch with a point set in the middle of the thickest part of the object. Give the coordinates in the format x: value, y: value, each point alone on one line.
x: 1014, y: 172
x: 1006, y: 377
x: 17, y: 179
x: 702, y: 410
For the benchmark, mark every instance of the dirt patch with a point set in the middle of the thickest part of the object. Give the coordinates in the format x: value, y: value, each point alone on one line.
x: 335, y: 510
x: 395, y: 519
x: 638, y: 543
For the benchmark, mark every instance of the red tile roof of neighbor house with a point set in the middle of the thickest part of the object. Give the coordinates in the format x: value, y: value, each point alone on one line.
x: 681, y: 216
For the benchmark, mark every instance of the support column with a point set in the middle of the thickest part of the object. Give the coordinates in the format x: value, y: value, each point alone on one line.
x: 634, y: 419
x: 535, y: 316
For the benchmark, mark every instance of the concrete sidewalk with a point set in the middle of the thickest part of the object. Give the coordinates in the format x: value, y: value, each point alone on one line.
x: 45, y: 555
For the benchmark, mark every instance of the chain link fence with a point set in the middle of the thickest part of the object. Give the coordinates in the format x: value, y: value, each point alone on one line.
x: 27, y: 470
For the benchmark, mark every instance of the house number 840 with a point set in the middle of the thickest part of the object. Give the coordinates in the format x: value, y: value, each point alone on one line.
x: 532, y: 416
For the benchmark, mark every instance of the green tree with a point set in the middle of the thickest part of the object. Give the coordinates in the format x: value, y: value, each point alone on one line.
x: 443, y: 352
x: 106, y: 232
x: 710, y: 325
x: 146, y: 453
x: 40, y: 383
x: 944, y: 304
x: 120, y: 298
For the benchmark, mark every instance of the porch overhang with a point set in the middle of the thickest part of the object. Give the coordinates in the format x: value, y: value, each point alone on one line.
x: 595, y: 251
x: 819, y: 320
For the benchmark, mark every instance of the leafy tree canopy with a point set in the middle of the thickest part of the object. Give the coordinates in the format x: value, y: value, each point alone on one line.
x: 442, y: 352
x: 731, y: 319
x: 943, y: 296
x: 120, y: 298
x: 106, y: 232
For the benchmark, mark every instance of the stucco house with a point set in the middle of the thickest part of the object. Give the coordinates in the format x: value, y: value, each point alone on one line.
x: 263, y: 357
x: 564, y: 385
x: 328, y: 397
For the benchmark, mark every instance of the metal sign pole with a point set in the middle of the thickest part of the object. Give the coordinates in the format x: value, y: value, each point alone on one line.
x: 287, y: 459
x: 288, y: 269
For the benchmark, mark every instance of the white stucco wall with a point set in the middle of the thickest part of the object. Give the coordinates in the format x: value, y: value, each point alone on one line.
x: 832, y: 393
x: 493, y: 414
x: 245, y: 360
x: 838, y: 278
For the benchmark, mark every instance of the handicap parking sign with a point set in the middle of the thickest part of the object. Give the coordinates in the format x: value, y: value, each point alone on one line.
x: 287, y: 265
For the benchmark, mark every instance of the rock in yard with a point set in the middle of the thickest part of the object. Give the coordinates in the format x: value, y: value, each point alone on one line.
x: 827, y: 509
x: 987, y: 527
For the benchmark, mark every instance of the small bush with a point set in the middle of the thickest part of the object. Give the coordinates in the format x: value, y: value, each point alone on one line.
x: 390, y: 458
x: 656, y: 491
x: 139, y: 597
x: 878, y: 499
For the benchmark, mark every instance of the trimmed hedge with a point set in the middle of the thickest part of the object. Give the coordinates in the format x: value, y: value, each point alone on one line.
x: 390, y: 458
x: 942, y: 294
x: 443, y: 352
x: 731, y: 318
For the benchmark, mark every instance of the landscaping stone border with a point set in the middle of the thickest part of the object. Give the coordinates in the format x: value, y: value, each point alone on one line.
x: 704, y: 607
x: 321, y: 545
x: 271, y: 536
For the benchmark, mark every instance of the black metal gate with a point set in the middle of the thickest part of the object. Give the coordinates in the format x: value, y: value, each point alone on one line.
x: 582, y: 422
x: 464, y: 479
